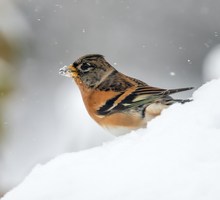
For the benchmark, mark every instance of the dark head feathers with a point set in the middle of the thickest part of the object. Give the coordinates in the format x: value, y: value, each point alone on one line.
x: 92, y: 56
x: 87, y: 58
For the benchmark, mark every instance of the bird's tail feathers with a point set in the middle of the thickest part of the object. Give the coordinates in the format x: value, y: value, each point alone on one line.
x: 172, y: 91
x: 169, y: 100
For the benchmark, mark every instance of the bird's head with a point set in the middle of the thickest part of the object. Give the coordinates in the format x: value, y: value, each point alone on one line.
x: 89, y: 70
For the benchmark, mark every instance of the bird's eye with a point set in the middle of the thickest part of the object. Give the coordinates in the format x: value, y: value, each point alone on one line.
x: 86, y: 67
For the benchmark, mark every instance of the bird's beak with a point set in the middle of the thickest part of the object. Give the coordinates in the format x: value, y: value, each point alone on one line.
x: 68, y: 71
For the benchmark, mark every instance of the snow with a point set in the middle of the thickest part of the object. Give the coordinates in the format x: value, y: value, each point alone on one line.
x: 176, y: 157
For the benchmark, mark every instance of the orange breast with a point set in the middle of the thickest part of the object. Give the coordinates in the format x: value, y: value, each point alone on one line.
x: 95, y: 99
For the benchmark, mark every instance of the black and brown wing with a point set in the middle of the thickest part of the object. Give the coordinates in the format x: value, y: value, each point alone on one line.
x: 143, y: 95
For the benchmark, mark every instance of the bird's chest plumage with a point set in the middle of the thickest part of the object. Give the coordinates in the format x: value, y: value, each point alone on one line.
x: 94, y: 100
x: 119, y: 122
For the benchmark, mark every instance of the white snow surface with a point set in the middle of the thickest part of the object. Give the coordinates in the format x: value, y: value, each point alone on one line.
x: 176, y: 157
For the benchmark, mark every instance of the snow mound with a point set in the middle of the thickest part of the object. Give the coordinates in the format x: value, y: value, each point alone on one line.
x: 176, y: 157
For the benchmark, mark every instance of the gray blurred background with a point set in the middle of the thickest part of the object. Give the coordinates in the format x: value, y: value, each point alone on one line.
x: 164, y: 43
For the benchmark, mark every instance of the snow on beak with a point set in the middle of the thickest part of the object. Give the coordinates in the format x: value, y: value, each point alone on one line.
x: 68, y: 71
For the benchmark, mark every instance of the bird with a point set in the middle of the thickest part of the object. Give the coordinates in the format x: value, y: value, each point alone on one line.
x: 117, y: 102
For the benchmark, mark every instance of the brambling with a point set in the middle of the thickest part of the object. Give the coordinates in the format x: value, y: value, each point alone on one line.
x: 116, y: 101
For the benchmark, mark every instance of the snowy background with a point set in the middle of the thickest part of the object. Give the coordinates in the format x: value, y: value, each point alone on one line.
x: 164, y: 43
